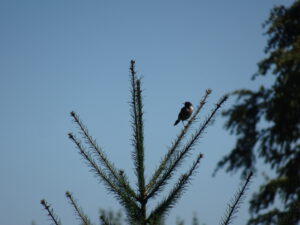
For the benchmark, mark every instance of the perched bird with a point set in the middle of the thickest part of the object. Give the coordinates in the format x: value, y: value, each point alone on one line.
x: 185, y: 112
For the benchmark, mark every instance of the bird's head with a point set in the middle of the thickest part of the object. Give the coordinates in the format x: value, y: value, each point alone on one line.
x: 188, y: 104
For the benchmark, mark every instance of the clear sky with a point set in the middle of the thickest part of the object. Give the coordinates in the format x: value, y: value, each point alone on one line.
x: 58, y: 56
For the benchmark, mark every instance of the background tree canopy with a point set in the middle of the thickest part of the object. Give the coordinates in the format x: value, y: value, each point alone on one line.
x: 267, y: 123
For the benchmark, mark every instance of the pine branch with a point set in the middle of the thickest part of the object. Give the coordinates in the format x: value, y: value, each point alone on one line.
x: 163, y: 207
x: 134, y: 111
x: 133, y: 95
x: 140, y: 142
x: 125, y: 200
x: 176, y: 162
x: 177, y: 142
x: 138, y: 139
x: 51, y: 213
x: 198, y: 133
x: 109, y: 167
x: 92, y: 142
x: 79, y: 212
x: 137, y: 117
x: 140, y: 168
x: 236, y: 202
x: 89, y: 159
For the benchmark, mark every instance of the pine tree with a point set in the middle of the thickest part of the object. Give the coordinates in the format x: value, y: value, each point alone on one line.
x: 135, y: 200
x: 267, y: 123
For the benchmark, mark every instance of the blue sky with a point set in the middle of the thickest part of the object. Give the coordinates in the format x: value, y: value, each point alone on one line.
x: 59, y: 56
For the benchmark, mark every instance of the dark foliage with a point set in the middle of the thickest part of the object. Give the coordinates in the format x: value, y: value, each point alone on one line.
x: 267, y: 123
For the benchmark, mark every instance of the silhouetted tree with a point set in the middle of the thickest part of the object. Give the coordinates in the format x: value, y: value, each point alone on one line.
x: 267, y: 123
x: 135, y: 200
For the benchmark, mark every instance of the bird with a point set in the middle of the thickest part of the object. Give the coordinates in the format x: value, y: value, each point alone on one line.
x: 185, y: 112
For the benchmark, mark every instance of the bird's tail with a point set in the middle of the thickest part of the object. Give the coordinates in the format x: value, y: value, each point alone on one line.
x: 176, y: 122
